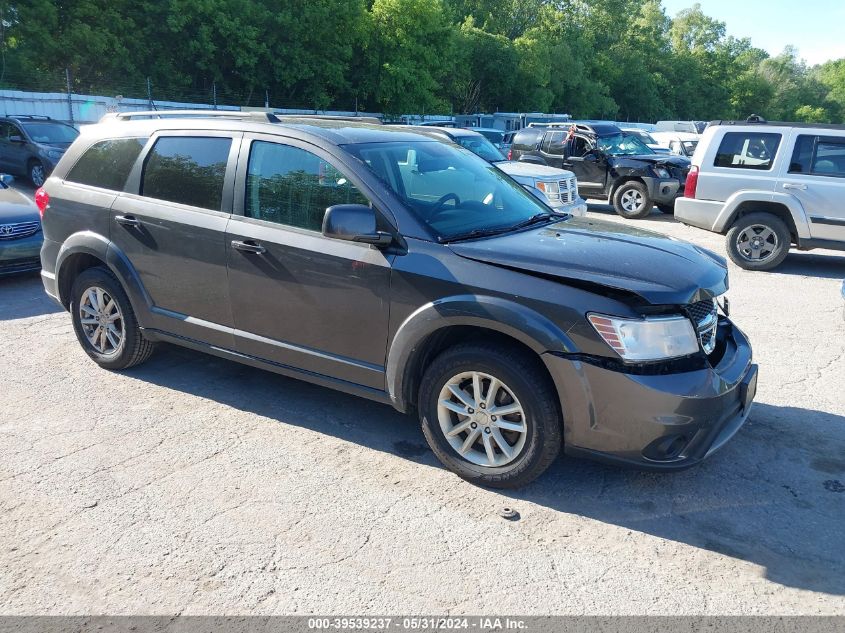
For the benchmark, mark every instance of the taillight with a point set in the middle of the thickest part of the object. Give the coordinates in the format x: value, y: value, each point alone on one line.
x: 692, y: 182
x: 42, y: 199
x: 510, y: 154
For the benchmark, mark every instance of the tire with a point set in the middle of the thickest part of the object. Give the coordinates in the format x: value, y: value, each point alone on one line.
x: 631, y: 200
x: 766, y: 238
x: 36, y: 173
x: 668, y: 209
x: 131, y: 347
x: 523, y: 384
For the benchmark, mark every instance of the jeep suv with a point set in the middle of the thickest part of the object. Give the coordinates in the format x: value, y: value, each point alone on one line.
x: 32, y: 145
x: 767, y: 186
x: 401, y: 268
x: 608, y: 163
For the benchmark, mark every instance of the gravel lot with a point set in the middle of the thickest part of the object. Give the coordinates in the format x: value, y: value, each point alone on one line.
x: 195, y: 485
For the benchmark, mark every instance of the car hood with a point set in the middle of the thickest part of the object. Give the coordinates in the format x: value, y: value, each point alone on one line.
x: 659, y: 269
x: 525, y: 169
x: 16, y: 207
x: 662, y: 159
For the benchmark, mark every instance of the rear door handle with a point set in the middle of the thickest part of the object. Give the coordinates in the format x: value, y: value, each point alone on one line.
x: 127, y: 220
x: 248, y: 247
x: 789, y: 185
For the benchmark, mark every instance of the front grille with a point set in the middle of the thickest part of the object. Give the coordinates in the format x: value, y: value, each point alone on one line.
x: 19, y: 230
x: 568, y: 190
x: 704, y: 315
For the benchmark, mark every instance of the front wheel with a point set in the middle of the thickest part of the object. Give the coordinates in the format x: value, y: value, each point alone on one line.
x: 490, y: 414
x: 37, y: 173
x: 758, y: 241
x: 104, y: 322
x: 631, y: 200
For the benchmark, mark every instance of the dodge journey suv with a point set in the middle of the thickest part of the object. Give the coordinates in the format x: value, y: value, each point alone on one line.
x: 398, y: 267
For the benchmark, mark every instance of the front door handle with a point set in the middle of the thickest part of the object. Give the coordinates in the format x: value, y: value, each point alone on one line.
x: 248, y: 247
x: 790, y: 185
x: 127, y: 220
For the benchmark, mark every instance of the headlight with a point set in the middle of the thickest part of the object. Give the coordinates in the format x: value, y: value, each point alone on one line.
x: 53, y: 153
x: 652, y: 338
x: 550, y: 188
x: 662, y: 172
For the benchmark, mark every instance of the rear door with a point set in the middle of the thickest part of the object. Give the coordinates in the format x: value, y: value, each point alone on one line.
x: 298, y: 298
x: 816, y: 176
x: 171, y: 225
x: 13, y: 154
x: 552, y: 147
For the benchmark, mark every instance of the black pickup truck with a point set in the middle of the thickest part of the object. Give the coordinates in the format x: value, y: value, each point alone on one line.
x: 609, y: 164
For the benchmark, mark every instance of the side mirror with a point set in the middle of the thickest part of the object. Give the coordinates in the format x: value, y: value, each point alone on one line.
x: 7, y: 179
x: 354, y: 223
x: 591, y: 156
x: 16, y: 138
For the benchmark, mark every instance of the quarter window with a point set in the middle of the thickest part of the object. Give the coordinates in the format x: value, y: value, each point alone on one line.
x: 745, y: 150
x: 187, y: 170
x: 292, y: 186
x: 107, y: 164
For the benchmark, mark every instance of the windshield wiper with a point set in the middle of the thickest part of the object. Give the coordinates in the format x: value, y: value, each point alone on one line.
x: 476, y: 233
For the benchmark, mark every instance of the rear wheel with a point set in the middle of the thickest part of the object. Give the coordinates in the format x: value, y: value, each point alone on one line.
x: 490, y: 414
x: 104, y: 322
x: 758, y: 241
x: 631, y: 200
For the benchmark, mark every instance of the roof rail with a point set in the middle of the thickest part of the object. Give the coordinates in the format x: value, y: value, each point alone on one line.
x: 330, y: 117
x: 30, y: 116
x: 264, y: 117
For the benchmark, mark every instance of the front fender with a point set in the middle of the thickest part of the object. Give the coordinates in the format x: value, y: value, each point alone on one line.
x: 94, y: 244
x: 792, y: 204
x: 491, y: 313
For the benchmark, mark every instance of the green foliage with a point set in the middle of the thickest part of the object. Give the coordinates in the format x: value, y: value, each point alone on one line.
x: 621, y: 59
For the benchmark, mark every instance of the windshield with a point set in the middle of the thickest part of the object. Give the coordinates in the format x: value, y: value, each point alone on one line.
x: 50, y: 133
x: 689, y: 147
x: 480, y: 146
x: 623, y: 145
x: 449, y: 188
x: 493, y: 136
x: 644, y: 136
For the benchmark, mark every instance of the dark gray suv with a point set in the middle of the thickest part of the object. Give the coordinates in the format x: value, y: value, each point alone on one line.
x: 405, y: 269
x: 31, y: 146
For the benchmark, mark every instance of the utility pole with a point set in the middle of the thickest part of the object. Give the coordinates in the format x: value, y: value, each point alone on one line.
x: 69, y: 98
x: 150, y: 94
x: 267, y: 99
x: 214, y: 93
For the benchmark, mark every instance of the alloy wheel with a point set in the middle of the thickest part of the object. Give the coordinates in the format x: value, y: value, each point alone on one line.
x: 632, y: 201
x: 481, y: 419
x: 102, y: 321
x: 36, y: 174
x: 757, y: 243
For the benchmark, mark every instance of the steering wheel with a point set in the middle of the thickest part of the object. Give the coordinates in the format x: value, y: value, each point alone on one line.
x: 437, y: 209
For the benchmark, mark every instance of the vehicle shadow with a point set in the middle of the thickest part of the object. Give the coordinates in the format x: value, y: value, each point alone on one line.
x: 774, y: 496
x: 607, y: 209
x: 23, y: 296
x: 813, y: 265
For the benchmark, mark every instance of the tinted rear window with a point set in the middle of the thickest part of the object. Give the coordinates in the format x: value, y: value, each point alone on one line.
x: 187, y: 170
x: 748, y: 150
x: 527, y: 138
x: 107, y: 164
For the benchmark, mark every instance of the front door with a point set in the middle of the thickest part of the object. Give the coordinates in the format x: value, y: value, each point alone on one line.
x: 300, y: 299
x: 171, y: 224
x: 588, y: 165
x: 816, y: 176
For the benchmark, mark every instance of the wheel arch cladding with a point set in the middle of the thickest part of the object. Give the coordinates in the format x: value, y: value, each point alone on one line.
x: 437, y: 325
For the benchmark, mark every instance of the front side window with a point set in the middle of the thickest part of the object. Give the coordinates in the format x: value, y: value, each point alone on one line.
x: 448, y: 187
x: 107, y: 164
x: 553, y: 143
x: 748, y: 150
x: 291, y: 186
x: 188, y: 170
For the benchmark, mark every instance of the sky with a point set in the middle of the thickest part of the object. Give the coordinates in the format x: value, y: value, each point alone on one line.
x: 814, y: 27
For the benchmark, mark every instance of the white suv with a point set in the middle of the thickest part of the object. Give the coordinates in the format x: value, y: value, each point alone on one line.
x: 768, y: 186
